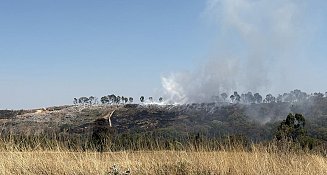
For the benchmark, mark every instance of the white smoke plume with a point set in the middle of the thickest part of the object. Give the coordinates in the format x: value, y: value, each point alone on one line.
x: 257, y: 41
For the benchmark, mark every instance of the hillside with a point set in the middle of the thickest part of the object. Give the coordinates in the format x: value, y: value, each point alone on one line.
x: 256, y: 122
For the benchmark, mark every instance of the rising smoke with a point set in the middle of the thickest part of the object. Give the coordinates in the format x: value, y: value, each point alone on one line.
x: 257, y: 43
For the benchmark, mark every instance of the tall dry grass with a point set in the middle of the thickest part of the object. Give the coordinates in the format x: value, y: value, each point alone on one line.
x: 260, y: 160
x: 19, y: 155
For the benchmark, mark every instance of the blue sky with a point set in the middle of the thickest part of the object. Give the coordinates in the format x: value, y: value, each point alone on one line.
x: 53, y: 51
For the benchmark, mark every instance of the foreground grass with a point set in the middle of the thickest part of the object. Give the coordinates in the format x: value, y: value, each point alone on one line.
x: 161, y: 162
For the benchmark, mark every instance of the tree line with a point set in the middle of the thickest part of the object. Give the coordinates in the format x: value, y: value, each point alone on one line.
x: 249, y: 98
x: 246, y: 98
x: 111, y: 100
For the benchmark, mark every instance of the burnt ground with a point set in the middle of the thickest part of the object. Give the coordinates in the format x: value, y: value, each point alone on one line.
x: 255, y: 121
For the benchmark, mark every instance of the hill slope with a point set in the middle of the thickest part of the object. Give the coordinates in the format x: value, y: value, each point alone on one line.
x: 255, y: 121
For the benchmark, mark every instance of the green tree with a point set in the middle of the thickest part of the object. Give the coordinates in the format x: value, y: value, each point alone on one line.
x: 292, y: 128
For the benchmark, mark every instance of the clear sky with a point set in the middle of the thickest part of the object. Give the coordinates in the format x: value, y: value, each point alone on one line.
x: 52, y: 51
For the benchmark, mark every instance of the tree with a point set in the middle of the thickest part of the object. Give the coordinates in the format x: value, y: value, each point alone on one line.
x: 104, y: 100
x: 257, y: 98
x: 75, y: 101
x: 224, y: 96
x: 237, y: 97
x: 288, y: 97
x: 91, y: 100
x: 232, y: 97
x: 112, y: 98
x: 83, y: 100
x: 150, y: 99
x: 142, y: 99
x: 292, y: 128
x: 248, y: 98
x: 118, y: 99
x: 96, y: 102
x: 160, y: 99
x: 125, y: 99
x: 298, y: 95
x: 318, y: 95
x: 131, y: 99
x: 270, y: 98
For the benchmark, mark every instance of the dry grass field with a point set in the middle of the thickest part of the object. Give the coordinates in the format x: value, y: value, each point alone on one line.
x: 257, y: 161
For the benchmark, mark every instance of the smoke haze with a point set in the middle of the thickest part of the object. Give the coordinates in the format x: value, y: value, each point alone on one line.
x: 258, y: 49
